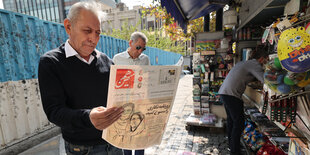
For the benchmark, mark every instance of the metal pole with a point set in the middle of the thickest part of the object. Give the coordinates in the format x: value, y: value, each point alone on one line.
x: 61, y: 10
x: 41, y: 11
x: 37, y: 9
x: 46, y: 17
x: 190, y: 46
x: 50, y: 8
x: 16, y: 6
x: 20, y: 6
x: 30, y: 7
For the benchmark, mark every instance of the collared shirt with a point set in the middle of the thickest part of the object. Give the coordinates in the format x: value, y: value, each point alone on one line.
x: 125, y: 59
x: 72, y: 52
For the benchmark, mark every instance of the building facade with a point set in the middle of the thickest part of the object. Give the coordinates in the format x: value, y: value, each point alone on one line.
x: 121, y: 14
x: 117, y: 17
x: 51, y: 10
x: 118, y: 13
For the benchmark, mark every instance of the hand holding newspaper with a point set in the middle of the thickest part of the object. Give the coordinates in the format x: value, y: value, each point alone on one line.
x: 147, y: 94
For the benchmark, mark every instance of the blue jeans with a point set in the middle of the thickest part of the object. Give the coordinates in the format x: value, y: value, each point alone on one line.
x: 235, y: 121
x: 137, y: 152
x: 106, y: 149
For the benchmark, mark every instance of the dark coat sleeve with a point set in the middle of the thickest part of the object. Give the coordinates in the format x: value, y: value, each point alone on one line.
x: 54, y: 98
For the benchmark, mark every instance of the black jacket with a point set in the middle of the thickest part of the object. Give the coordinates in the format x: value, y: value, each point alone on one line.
x: 69, y: 90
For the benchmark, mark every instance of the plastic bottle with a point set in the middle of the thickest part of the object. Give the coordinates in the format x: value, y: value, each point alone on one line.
x: 244, y: 34
x: 249, y: 33
x: 240, y: 35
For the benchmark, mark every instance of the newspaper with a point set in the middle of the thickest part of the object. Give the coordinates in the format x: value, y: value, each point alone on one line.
x: 147, y: 94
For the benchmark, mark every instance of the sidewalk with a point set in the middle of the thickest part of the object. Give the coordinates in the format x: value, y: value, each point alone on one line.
x: 176, y: 139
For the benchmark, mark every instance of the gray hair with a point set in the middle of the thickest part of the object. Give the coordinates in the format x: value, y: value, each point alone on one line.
x: 91, y: 6
x: 136, y: 35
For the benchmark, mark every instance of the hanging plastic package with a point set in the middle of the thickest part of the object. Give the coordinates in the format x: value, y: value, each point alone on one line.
x: 294, y: 50
x: 308, y: 28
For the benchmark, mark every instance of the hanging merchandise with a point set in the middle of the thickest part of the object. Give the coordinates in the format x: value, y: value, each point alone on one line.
x: 271, y: 36
x: 224, y: 43
x: 266, y: 33
x: 284, y: 24
x: 294, y: 50
x: 290, y: 79
x: 305, y: 80
x: 277, y: 63
x: 234, y: 47
x: 307, y: 28
x: 282, y: 81
x: 273, y: 77
x: 207, y: 45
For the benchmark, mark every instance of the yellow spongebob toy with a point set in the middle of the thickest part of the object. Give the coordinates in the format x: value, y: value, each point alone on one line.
x: 294, y: 50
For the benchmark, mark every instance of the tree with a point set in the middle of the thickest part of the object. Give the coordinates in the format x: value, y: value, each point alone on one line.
x: 155, y: 37
x: 171, y: 27
x: 170, y: 36
x: 125, y: 31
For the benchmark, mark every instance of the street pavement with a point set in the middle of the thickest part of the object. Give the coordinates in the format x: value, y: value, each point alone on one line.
x: 176, y: 140
x: 198, y: 140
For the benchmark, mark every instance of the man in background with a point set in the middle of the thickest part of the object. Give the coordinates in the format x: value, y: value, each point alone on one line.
x: 134, y: 56
x: 231, y: 92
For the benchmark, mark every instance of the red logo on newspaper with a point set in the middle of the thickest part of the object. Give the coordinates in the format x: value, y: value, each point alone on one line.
x: 124, y: 78
x: 140, y: 79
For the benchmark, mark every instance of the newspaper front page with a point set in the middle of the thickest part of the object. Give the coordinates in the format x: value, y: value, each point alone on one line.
x: 147, y: 94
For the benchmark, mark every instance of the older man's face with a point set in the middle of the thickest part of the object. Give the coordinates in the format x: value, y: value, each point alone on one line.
x: 136, y: 48
x: 84, y: 33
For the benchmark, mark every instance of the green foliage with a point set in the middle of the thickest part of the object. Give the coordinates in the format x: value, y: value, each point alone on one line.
x: 170, y: 37
x: 125, y: 31
x: 171, y: 27
x: 155, y: 37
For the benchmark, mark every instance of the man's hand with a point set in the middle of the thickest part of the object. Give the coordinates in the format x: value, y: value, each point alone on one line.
x: 102, y: 117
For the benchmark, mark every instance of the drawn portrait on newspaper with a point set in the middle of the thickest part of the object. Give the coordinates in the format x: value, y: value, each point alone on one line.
x: 147, y: 94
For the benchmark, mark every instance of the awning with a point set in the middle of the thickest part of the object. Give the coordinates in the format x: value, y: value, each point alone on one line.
x: 186, y: 10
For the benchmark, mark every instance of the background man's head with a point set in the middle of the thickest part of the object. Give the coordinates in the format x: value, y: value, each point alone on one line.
x: 83, y: 26
x: 260, y: 54
x: 137, y: 44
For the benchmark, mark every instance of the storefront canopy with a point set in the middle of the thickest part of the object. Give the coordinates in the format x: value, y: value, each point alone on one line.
x: 186, y: 10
